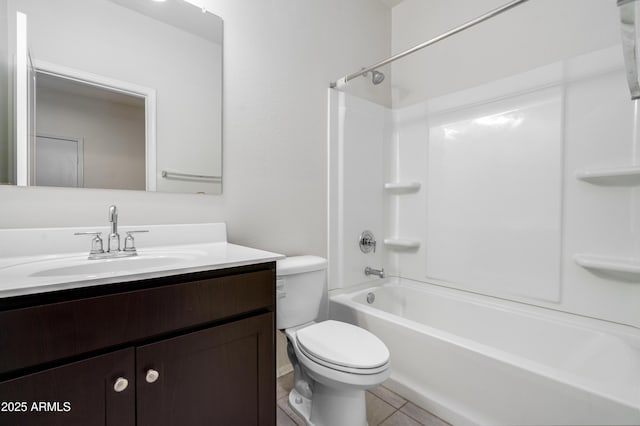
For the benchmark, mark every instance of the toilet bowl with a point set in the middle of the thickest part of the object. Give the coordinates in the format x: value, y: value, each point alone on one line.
x: 334, y: 362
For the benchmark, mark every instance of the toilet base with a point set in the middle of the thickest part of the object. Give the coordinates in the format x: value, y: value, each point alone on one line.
x: 330, y: 406
x: 301, y: 406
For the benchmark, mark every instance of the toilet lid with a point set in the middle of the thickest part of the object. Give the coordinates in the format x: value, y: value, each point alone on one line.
x: 343, y: 344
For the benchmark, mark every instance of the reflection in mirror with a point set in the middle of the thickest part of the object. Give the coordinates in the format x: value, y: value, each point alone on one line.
x: 128, y: 95
x: 88, y: 136
x: 7, y: 174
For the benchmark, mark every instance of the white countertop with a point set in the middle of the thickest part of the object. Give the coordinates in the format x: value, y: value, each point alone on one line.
x: 50, y: 270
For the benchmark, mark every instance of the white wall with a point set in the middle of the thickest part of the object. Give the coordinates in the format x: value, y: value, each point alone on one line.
x: 113, y: 135
x: 279, y: 57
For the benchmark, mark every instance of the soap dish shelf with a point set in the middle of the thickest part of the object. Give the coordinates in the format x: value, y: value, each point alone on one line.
x: 402, y: 187
x: 401, y: 243
x: 609, y: 264
x: 628, y: 175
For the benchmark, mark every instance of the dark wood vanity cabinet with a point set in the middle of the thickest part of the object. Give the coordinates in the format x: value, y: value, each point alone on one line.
x: 192, y: 350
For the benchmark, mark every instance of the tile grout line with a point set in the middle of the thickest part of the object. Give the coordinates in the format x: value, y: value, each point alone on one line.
x: 286, y: 413
x: 402, y: 412
x: 289, y: 415
x: 385, y: 419
x: 412, y: 418
x: 419, y: 421
x: 292, y: 419
x: 395, y: 410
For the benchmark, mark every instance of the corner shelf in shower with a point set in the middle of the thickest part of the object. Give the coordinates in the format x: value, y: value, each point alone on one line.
x: 402, y: 187
x: 401, y: 243
x: 627, y: 175
x: 609, y: 264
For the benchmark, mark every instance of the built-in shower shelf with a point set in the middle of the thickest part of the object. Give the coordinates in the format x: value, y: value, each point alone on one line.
x: 402, y: 187
x: 401, y: 243
x: 608, y: 264
x: 629, y: 175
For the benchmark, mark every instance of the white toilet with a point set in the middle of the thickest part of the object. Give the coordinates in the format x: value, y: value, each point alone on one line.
x: 334, y: 362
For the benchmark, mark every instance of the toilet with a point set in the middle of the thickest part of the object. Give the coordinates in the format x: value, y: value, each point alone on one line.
x: 334, y: 363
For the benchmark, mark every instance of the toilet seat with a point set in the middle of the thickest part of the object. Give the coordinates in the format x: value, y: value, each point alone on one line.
x: 343, y: 347
x: 333, y: 375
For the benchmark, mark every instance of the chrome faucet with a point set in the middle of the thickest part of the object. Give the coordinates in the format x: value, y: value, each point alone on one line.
x: 370, y: 271
x: 113, y: 242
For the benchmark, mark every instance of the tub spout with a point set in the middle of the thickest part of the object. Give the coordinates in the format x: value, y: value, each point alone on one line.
x: 370, y: 271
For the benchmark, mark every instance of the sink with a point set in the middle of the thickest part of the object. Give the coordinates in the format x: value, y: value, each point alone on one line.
x: 40, y: 260
x: 79, y: 266
x: 111, y: 266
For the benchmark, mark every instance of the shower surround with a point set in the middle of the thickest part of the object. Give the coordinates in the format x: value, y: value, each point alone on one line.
x: 504, y: 191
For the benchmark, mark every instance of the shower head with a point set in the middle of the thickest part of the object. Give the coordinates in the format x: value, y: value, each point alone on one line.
x: 377, y: 77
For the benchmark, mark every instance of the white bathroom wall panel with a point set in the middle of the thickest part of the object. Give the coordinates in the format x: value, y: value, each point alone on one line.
x: 600, y: 219
x: 500, y: 210
x: 572, y: 43
x: 410, y: 145
x: 486, y: 200
x: 359, y: 130
x: 335, y: 209
x: 493, y: 193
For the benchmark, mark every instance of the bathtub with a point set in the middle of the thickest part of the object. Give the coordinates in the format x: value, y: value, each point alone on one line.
x: 476, y: 360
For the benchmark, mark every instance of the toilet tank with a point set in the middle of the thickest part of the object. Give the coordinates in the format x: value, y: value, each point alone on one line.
x: 300, y: 285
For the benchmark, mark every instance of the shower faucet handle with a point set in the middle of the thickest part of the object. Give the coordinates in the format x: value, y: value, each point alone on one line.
x: 367, y: 242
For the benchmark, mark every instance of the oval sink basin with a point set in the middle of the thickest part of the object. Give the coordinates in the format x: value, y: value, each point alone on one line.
x: 111, y: 266
x: 78, y: 267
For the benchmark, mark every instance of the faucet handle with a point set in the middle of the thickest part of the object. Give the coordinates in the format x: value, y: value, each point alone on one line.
x: 367, y: 242
x: 129, y: 242
x: 96, y: 242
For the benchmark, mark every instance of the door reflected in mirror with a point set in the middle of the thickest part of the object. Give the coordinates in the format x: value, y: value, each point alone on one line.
x: 128, y: 95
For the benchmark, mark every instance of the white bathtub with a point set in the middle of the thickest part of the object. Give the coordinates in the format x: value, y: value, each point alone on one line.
x: 475, y: 360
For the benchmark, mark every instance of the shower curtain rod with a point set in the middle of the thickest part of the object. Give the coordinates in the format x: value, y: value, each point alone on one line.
x: 497, y: 11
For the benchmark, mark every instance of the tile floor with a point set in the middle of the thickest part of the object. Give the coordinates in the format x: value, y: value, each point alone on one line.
x: 384, y: 408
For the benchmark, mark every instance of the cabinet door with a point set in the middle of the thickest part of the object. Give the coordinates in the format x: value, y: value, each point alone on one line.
x: 79, y: 393
x: 223, y: 375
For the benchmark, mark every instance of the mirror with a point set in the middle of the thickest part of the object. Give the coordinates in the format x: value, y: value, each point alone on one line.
x: 119, y: 94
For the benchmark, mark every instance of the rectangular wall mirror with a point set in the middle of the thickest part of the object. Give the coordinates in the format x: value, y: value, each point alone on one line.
x: 117, y: 94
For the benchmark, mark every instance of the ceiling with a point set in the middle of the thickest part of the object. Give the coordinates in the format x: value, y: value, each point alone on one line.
x: 180, y: 14
x: 391, y: 3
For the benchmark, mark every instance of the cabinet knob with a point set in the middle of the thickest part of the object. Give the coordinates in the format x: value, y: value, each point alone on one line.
x: 120, y: 384
x: 152, y: 375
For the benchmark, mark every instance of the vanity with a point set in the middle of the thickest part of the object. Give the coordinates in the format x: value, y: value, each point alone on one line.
x: 181, y: 334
